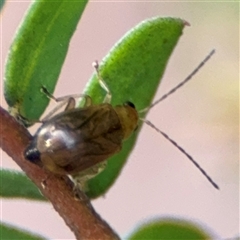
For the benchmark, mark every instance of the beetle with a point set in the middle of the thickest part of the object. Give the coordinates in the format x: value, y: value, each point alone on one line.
x: 78, y: 141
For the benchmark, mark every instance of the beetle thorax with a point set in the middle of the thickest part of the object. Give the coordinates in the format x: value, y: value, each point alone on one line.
x: 128, y: 117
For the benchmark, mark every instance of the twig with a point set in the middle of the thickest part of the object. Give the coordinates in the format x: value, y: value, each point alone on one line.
x: 78, y: 215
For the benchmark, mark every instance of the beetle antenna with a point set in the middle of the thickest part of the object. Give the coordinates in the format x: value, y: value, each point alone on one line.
x: 102, y: 83
x: 189, y: 77
x: 183, y: 151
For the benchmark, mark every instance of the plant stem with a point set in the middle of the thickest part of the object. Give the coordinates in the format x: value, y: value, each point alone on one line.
x: 78, y: 214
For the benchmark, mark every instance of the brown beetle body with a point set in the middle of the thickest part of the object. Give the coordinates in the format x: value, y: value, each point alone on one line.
x: 77, y: 139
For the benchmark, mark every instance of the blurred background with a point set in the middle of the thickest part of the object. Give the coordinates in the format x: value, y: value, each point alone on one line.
x: 158, y: 180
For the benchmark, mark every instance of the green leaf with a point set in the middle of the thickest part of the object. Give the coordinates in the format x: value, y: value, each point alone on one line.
x: 17, y: 185
x: 8, y: 232
x: 170, y: 229
x: 2, y: 2
x: 37, y: 54
x: 133, y: 70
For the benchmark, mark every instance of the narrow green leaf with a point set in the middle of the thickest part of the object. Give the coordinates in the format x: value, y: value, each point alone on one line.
x: 37, y: 54
x: 2, y: 2
x: 170, y: 229
x: 133, y: 70
x: 17, y: 185
x: 8, y: 232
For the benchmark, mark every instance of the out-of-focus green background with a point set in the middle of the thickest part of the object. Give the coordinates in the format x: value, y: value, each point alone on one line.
x: 202, y: 117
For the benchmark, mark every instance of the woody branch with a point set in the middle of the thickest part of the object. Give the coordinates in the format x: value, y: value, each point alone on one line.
x: 78, y: 215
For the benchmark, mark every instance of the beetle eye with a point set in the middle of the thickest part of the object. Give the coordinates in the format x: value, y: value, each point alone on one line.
x: 130, y: 104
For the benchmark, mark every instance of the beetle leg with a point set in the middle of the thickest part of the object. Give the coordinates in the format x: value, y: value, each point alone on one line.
x: 88, y: 100
x: 70, y: 104
x: 103, y: 84
x: 68, y: 100
x: 80, y: 179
